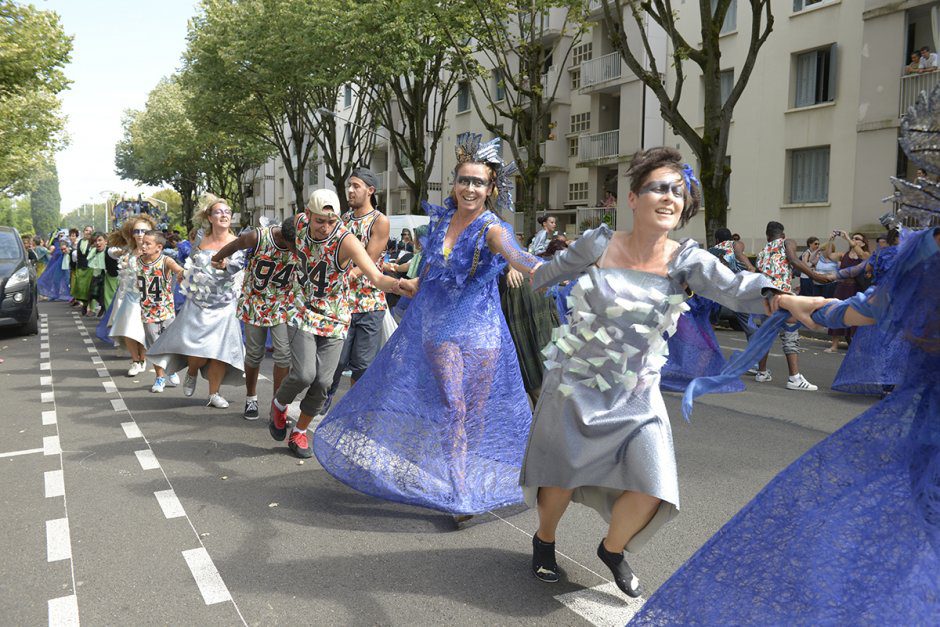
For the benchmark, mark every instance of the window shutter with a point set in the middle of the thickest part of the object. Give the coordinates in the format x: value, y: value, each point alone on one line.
x: 833, y: 70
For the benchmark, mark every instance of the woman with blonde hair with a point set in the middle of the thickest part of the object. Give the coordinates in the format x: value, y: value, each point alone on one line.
x: 125, y: 320
x: 206, y: 337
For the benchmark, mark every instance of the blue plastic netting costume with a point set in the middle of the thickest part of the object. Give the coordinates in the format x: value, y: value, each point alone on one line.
x: 850, y: 532
x: 694, y: 350
x: 54, y: 281
x: 876, y: 357
x: 440, y: 419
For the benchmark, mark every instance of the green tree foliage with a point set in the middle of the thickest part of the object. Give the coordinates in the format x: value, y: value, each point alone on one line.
x: 174, y: 205
x: 46, y: 201
x: 508, y: 51
x: 33, y: 52
x: 629, y: 24
x: 262, y: 68
x: 15, y: 212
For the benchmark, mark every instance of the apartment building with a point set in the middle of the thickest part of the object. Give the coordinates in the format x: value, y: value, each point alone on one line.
x: 814, y: 136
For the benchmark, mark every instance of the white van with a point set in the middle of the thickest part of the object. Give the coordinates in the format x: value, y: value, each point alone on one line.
x: 408, y: 221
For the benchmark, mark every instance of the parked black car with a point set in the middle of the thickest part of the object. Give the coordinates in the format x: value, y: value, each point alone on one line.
x: 19, y: 294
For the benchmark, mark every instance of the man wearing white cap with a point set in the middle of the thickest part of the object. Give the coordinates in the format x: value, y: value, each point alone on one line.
x: 320, y: 314
x: 370, y: 225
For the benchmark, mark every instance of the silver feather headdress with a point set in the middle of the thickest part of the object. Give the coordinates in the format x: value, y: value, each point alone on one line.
x: 469, y: 149
x: 918, y: 202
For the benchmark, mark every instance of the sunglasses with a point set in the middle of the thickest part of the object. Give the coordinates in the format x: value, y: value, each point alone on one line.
x: 139, y: 231
x: 221, y: 212
x: 677, y: 189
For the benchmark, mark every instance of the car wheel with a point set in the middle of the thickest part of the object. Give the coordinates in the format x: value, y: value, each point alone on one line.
x: 32, y: 327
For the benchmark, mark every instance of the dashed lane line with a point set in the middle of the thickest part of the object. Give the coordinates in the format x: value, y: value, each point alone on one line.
x: 63, y: 612
x: 51, y: 446
x: 147, y: 460
x: 54, y: 481
x: 131, y: 430
x: 58, y: 541
x: 49, y: 417
x: 207, y: 577
x: 170, y: 504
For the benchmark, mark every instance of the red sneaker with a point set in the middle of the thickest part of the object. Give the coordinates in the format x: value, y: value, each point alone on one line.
x: 300, y: 444
x: 278, y: 423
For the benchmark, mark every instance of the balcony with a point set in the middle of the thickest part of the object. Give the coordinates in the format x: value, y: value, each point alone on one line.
x: 598, y: 73
x: 599, y: 146
x: 911, y: 87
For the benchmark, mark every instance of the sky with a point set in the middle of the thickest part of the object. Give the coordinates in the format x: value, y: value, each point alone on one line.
x: 121, y: 49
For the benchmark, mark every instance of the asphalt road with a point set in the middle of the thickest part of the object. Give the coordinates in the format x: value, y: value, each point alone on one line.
x: 124, y: 507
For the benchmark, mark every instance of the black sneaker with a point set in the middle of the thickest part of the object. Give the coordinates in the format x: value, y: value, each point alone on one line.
x: 544, y: 566
x: 251, y: 409
x: 299, y: 443
x: 278, y: 423
x: 620, y: 569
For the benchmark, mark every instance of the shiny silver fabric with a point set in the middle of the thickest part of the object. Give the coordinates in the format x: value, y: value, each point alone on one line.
x: 600, y: 425
x: 212, y: 332
x: 125, y: 318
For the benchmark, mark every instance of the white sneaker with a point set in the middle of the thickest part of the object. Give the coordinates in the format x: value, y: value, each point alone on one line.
x: 763, y: 376
x: 799, y: 382
x: 136, y: 368
x: 189, y: 385
x: 216, y: 400
x: 173, y: 380
x: 159, y: 384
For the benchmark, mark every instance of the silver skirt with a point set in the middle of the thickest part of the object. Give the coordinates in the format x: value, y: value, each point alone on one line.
x: 208, y: 333
x: 125, y: 319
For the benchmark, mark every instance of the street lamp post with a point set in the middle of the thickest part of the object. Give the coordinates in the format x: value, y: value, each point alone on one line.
x: 107, y: 205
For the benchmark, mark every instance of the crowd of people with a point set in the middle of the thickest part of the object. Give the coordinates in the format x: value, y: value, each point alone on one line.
x: 458, y: 411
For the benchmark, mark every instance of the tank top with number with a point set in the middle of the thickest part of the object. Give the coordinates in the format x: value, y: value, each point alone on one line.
x: 365, y: 296
x: 269, y: 283
x: 156, y: 290
x: 321, y: 304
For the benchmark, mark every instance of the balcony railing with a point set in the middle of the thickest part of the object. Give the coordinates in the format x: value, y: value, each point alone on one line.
x: 912, y: 85
x: 606, y: 68
x: 598, y: 145
x: 592, y: 217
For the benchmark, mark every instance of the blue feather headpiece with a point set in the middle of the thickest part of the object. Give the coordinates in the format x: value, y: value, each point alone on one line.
x: 469, y: 149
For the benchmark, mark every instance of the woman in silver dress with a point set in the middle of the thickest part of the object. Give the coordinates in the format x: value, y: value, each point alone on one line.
x: 600, y: 434
x: 206, y: 337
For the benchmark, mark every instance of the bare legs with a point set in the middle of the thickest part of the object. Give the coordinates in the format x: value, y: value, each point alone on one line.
x: 135, y: 348
x: 793, y: 363
x: 215, y: 371
x: 251, y: 378
x: 631, y: 512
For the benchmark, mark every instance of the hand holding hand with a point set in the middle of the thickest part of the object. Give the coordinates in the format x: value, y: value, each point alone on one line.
x: 801, y: 308
x: 220, y: 264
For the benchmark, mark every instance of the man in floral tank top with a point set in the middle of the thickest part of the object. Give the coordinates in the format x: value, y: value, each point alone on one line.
x: 370, y: 225
x: 319, y: 314
x: 777, y: 260
x: 267, y: 291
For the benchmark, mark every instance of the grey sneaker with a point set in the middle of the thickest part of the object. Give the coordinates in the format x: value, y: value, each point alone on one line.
x: 189, y: 385
x: 251, y: 409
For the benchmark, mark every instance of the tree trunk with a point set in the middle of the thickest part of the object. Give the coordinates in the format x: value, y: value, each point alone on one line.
x: 714, y: 196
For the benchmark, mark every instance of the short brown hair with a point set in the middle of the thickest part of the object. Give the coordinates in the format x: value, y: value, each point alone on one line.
x: 644, y: 162
x: 158, y: 237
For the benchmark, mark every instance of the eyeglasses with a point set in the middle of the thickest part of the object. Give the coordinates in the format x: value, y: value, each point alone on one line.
x: 221, y: 212
x: 472, y: 181
x: 676, y: 188
x: 139, y: 231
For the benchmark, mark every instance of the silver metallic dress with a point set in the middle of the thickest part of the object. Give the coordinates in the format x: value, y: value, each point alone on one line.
x: 600, y: 425
x: 125, y: 314
x: 207, y: 325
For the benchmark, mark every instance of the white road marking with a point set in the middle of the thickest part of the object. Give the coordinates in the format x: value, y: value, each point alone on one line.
x: 148, y: 461
x: 58, y: 542
x: 210, y: 583
x: 49, y: 417
x: 44, y: 346
x: 47, y: 397
x: 92, y: 349
x: 50, y: 445
x: 45, y: 366
x: 109, y: 387
x: 97, y: 361
x: 44, y: 355
x: 88, y: 341
x: 55, y: 483
x: 170, y: 504
x: 604, y: 605
x: 118, y: 404
x: 103, y: 372
x: 63, y: 612
x: 28, y: 451
x: 45, y: 380
x: 131, y: 430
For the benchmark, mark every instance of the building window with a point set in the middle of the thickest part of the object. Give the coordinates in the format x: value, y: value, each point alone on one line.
x: 347, y: 96
x: 575, y: 78
x: 731, y: 17
x: 799, y: 5
x: 463, y: 96
x: 572, y: 146
x: 499, y: 87
x: 726, y: 83
x: 815, y: 77
x: 403, y: 204
x: 582, y: 53
x: 580, y: 122
x: 313, y: 176
x: 578, y: 192
x: 809, y: 175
